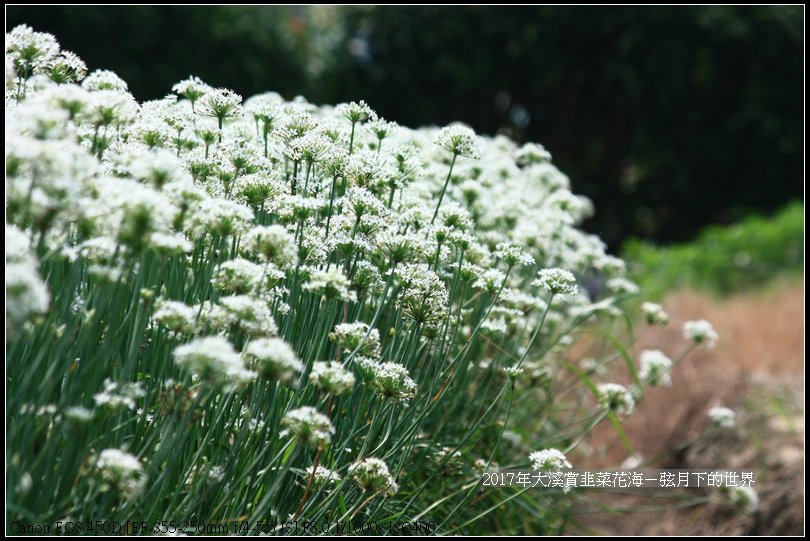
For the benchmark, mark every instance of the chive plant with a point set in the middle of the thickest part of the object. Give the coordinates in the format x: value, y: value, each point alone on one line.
x: 244, y: 312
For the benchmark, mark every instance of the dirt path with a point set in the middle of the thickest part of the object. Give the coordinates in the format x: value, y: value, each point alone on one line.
x: 757, y: 369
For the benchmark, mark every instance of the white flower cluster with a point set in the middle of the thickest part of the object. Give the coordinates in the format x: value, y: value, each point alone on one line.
x: 205, y: 473
x: 557, y: 281
x: 352, y: 337
x: 513, y: 372
x: 389, y: 380
x: 308, y: 425
x: 273, y: 358
x: 655, y: 368
x: 700, y: 332
x: 744, y: 499
x: 115, y: 395
x: 325, y: 476
x: 549, y: 459
x: 175, y: 316
x: 332, y: 377
x: 616, y: 398
x: 372, y: 475
x: 532, y: 153
x: 722, y: 417
x: 116, y: 178
x: 272, y: 241
x: 654, y: 313
x: 26, y: 293
x: 213, y: 359
x: 121, y: 471
x: 460, y: 140
x: 356, y: 112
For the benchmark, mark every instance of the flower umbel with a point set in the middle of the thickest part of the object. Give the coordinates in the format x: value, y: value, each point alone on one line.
x: 307, y: 425
x: 372, y: 475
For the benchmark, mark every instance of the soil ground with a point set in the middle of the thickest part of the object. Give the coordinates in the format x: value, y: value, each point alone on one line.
x: 757, y: 369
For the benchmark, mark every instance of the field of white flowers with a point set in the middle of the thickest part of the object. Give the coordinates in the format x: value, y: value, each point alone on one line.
x: 232, y: 311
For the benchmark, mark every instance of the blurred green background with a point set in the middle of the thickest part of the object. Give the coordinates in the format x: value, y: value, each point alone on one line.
x: 668, y: 118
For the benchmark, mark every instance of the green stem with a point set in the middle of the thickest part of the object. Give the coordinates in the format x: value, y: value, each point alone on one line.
x: 351, y: 139
x: 444, y: 189
x: 331, y: 204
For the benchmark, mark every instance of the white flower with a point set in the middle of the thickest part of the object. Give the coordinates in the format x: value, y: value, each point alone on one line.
x: 122, y: 471
x: 655, y: 368
x: 307, y: 425
x: 270, y: 243
x: 352, y: 336
x: 424, y: 297
x: 372, y: 475
x: 220, y: 103
x: 332, y: 377
x: 622, y: 285
x: 191, y: 88
x: 549, y: 459
x: 294, y: 125
x: 79, y: 414
x: 213, y: 359
x: 220, y: 217
x: 382, y: 129
x: 614, y: 397
x: 575, y: 208
x: 158, y: 168
x: 175, y: 316
x: 325, y: 476
x: 169, y: 244
x: 238, y: 276
x: 330, y: 285
x: 366, y: 169
x: 361, y: 202
x: 556, y: 281
x: 256, y: 189
x: 460, y: 140
x: 104, y: 80
x: 117, y: 395
x: 391, y: 380
x: 494, y: 326
x: 18, y: 246
x: 745, y: 499
x: 273, y: 358
x: 264, y: 107
x: 356, y: 112
x: 205, y: 473
x: 66, y: 68
x: 532, y: 153
x: 26, y: 293
x: 490, y: 279
x: 700, y: 332
x: 654, y: 313
x: 513, y: 255
x: 244, y: 313
x: 31, y: 52
x: 513, y: 372
x: 722, y: 417
x: 311, y: 148
x: 109, y: 108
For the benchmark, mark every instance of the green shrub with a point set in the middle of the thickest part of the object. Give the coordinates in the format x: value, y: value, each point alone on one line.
x: 723, y: 259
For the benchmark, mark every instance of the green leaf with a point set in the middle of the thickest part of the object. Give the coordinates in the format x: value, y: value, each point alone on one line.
x: 631, y: 366
x: 622, y: 434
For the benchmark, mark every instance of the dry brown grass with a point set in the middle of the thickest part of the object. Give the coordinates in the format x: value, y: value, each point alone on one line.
x: 761, y: 340
x: 761, y: 332
x: 760, y: 354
